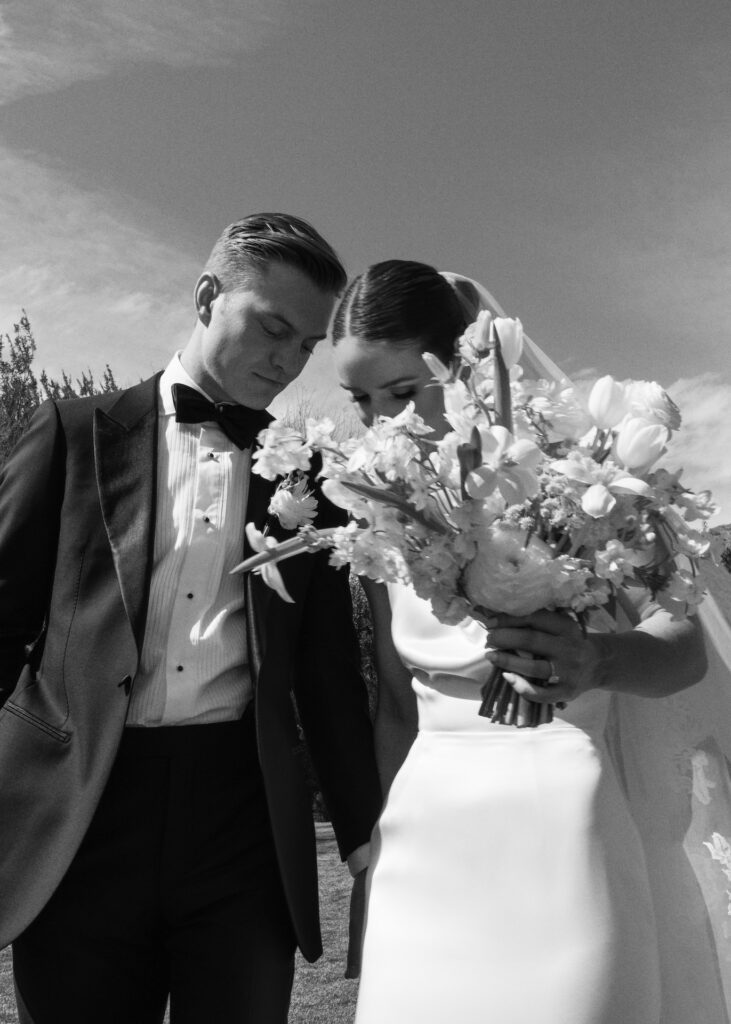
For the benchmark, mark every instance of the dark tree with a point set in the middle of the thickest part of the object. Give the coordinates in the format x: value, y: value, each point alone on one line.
x: 21, y: 392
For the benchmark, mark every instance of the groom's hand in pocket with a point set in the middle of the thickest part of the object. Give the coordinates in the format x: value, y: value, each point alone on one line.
x: 355, y: 929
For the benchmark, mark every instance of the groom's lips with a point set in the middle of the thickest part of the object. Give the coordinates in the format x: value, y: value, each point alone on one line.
x: 269, y: 380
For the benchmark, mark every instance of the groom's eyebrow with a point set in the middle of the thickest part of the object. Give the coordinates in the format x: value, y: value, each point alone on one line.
x: 283, y: 320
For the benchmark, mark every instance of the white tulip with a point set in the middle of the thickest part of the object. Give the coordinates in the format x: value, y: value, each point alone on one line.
x: 607, y: 402
x: 640, y: 443
x: 510, y: 333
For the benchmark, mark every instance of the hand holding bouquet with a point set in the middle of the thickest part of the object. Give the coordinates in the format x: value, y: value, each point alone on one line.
x: 539, y: 495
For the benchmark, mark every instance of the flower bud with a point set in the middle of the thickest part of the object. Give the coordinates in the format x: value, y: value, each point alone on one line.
x: 437, y: 367
x: 598, y: 501
x: 510, y: 333
x: 607, y: 402
x: 640, y: 443
x: 482, y: 337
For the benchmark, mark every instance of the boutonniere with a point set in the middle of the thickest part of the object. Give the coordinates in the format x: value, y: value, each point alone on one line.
x: 293, y: 502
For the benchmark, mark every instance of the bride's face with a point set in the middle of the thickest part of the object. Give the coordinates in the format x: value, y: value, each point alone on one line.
x: 382, y: 376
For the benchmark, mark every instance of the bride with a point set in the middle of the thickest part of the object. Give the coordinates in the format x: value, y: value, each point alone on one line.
x: 573, y: 873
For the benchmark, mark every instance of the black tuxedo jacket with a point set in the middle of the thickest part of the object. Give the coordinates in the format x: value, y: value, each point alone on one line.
x: 77, y: 508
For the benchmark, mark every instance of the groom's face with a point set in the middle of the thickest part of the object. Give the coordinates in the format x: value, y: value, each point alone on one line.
x: 257, y: 338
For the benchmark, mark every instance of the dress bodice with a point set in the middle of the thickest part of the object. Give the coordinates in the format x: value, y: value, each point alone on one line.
x: 449, y: 668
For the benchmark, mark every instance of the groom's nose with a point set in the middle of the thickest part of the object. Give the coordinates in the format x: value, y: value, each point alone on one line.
x: 289, y: 360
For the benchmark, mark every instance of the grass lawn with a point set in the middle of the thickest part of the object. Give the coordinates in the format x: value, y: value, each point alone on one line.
x: 321, y: 994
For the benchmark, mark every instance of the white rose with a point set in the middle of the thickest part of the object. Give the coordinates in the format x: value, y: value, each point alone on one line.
x: 507, y: 575
x: 648, y: 400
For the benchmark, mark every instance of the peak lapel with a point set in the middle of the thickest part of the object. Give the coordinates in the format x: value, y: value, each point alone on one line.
x: 125, y: 451
x: 258, y: 594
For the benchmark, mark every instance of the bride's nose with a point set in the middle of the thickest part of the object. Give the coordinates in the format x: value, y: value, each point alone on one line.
x: 387, y: 405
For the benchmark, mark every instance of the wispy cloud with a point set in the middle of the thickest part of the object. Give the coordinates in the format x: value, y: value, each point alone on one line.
x: 45, y: 44
x: 97, y: 286
x: 98, y: 283
x: 703, y: 446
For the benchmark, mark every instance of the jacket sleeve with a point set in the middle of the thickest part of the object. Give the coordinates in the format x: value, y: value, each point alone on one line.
x: 333, y: 702
x: 31, y: 494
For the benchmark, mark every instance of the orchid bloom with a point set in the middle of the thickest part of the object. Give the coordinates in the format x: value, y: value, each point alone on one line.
x: 269, y: 572
x: 603, y: 483
x: 508, y: 465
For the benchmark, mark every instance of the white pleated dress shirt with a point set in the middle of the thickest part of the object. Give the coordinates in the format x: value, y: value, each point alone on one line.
x: 194, y: 664
x: 193, y: 668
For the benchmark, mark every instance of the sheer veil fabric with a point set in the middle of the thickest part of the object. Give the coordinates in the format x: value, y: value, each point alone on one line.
x: 672, y: 755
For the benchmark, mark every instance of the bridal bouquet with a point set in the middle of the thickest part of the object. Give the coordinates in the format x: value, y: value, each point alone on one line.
x: 541, y: 495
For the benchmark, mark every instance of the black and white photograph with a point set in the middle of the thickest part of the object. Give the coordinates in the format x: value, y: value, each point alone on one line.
x: 365, y: 512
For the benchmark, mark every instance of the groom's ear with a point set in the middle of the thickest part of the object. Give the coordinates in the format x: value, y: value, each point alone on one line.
x: 207, y: 289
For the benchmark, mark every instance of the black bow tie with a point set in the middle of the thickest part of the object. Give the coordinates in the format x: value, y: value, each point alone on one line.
x: 237, y: 422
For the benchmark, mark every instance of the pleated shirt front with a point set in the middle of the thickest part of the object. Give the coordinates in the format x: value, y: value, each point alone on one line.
x: 193, y: 667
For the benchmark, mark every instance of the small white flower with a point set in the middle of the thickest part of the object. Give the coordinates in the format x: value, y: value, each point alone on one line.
x: 282, y: 451
x: 293, y: 504
x: 685, y: 588
x: 318, y: 433
x: 476, y: 341
x: 615, y: 562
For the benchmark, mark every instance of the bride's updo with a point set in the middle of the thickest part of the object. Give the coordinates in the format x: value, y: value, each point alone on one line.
x: 401, y: 301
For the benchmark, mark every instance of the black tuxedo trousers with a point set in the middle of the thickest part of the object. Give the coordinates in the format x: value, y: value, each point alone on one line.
x: 174, y: 889
x: 77, y: 521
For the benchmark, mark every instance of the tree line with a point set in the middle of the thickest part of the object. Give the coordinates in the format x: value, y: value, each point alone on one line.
x: 21, y: 391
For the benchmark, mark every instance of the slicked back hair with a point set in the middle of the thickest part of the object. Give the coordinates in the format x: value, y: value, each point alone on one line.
x: 402, y: 301
x: 254, y: 242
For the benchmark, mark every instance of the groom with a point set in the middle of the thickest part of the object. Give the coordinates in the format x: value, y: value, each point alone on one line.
x: 156, y: 835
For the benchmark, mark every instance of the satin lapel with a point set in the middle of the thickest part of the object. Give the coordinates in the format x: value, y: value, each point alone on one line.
x: 258, y: 594
x: 125, y: 451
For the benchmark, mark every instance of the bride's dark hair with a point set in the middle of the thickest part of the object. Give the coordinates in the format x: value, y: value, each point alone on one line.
x: 400, y: 301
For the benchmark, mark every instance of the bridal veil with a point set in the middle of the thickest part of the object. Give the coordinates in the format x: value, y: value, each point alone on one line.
x: 672, y: 755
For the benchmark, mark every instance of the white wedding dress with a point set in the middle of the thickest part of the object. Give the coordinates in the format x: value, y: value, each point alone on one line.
x: 509, y: 882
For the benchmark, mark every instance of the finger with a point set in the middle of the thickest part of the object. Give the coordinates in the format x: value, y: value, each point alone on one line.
x: 539, y: 694
x: 512, y: 661
x: 557, y: 623
x: 543, y: 644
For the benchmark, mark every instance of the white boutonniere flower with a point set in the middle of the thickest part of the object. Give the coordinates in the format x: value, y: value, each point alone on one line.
x: 293, y: 503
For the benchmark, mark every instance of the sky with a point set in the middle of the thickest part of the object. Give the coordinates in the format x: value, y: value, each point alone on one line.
x: 573, y: 155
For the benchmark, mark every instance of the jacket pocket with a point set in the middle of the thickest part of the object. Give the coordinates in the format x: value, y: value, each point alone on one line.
x: 12, y: 708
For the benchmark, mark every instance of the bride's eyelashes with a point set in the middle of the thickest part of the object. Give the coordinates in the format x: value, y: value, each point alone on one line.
x: 399, y: 396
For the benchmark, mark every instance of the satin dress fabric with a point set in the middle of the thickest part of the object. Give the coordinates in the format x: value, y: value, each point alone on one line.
x: 508, y: 882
